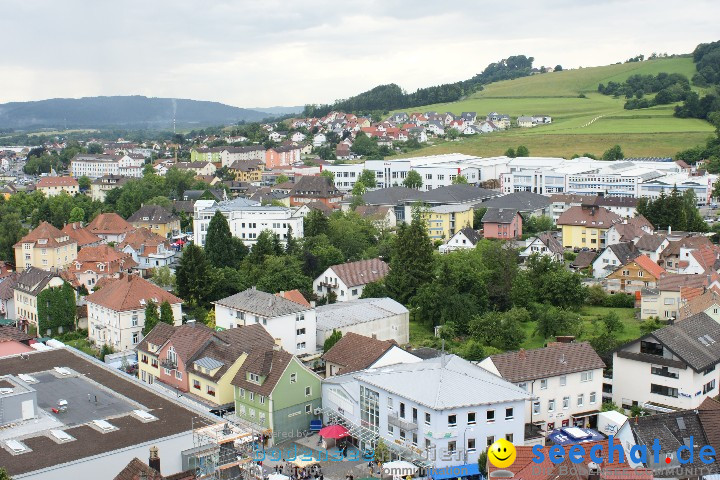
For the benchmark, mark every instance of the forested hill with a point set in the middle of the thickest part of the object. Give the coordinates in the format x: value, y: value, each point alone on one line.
x: 121, y: 111
x: 391, y: 96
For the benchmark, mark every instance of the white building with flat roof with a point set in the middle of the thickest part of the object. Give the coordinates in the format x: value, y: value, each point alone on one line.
x: 247, y: 219
x: 440, y: 412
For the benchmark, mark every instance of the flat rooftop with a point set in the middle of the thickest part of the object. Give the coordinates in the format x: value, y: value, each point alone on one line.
x: 117, y: 398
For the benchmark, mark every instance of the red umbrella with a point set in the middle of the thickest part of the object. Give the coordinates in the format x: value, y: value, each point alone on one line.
x: 334, y: 431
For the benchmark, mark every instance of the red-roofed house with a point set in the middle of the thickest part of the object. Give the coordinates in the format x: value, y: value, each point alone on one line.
x: 81, y: 235
x: 348, y: 280
x: 110, y: 227
x: 295, y: 296
x: 52, y: 186
x: 700, y: 260
x: 116, y: 312
x: 634, y: 275
x: 46, y: 247
x: 94, y: 263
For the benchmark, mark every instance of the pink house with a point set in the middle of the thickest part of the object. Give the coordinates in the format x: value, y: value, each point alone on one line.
x: 502, y: 223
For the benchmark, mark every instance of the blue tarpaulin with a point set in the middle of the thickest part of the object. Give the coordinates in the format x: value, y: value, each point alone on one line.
x: 456, y: 471
x: 573, y: 435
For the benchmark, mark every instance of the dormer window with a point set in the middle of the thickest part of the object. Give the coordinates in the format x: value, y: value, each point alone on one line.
x: 101, y: 266
x: 254, y: 377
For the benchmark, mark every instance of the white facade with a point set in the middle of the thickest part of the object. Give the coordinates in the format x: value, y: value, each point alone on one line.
x: 383, y: 318
x: 636, y: 379
x: 606, y: 263
x: 121, y: 330
x: 145, y: 260
x: 296, y: 331
x: 535, y: 246
x: 458, y: 241
x: 449, y: 436
x: 94, y: 166
x: 247, y: 219
x: 557, y: 399
x: 329, y: 281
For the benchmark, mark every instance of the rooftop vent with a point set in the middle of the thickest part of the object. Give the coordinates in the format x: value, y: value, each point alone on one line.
x: 61, y: 436
x: 63, y: 371
x: 104, y: 426
x: 16, y: 447
x: 27, y: 378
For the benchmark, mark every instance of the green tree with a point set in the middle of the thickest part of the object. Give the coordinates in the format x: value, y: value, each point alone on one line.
x: 650, y: 325
x: 613, y: 153
x: 374, y: 290
x: 452, y: 133
x: 163, y: 277
x: 77, y: 214
x: 328, y: 174
x: 334, y: 337
x: 412, y: 261
x: 266, y: 244
x: 472, y: 351
x: 84, y: 183
x: 282, y: 178
x: 161, y: 201
x: 522, y: 151
x: 364, y: 145
x: 478, y: 214
x: 152, y: 317
x: 382, y: 453
x: 359, y: 189
x: 95, y: 148
x: 413, y: 180
x: 105, y: 351
x: 539, y: 224
x: 552, y: 321
x: 367, y: 177
x: 282, y: 274
x: 612, y: 323
x: 191, y: 276
x: 218, y: 243
x: 558, y: 68
x: 166, y: 313
x: 500, y: 330
x: 460, y: 180
x: 510, y: 152
x: 315, y: 223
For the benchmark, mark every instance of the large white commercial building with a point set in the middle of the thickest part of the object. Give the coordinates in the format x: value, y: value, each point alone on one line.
x: 96, y: 166
x: 247, y: 219
x: 440, y: 412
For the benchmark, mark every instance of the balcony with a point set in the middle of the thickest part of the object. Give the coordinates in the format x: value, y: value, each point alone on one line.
x: 395, y: 420
x: 329, y: 284
x: 169, y: 364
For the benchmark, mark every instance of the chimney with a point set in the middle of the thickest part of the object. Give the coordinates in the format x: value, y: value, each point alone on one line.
x: 522, y: 355
x: 669, y: 229
x: 154, y: 461
x: 593, y: 471
x: 190, y: 321
x: 278, y: 344
x: 374, y: 336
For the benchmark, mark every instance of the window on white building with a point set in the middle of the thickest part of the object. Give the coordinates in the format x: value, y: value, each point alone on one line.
x: 543, y: 384
x: 566, y: 402
x: 586, y: 376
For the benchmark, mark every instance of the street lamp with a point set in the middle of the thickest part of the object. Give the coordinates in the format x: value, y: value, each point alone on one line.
x: 465, y: 449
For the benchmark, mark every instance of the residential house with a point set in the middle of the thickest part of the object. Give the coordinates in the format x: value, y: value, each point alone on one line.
x: 502, y: 223
x: 544, y: 244
x: 275, y: 391
x: 94, y: 263
x: 319, y: 140
x: 297, y: 137
x: 443, y: 221
x: 247, y: 219
x: 7, y: 295
x: 708, y: 302
x: 666, y: 298
x: 501, y: 120
x: 465, y: 238
x: 525, y: 122
x: 652, y: 245
x: 445, y: 409
x: 381, y: 317
x: 634, y: 275
x: 52, y: 186
x: 469, y: 117
x: 563, y: 201
x: 157, y: 219
x: 623, y: 232
x: 111, y: 227
x: 249, y: 171
x: 626, y: 207
x: 399, y: 117
x: 147, y: 249
x: 315, y: 189
x: 198, y: 360
x: 678, y: 250
x: 198, y: 168
x: 612, y: 257
x: 45, y: 247
x: 681, y: 437
x: 346, y: 281
x: 583, y: 261
x: 290, y: 322
x: 674, y: 367
x: 382, y: 216
x: 116, y: 312
x: 585, y: 226
x: 355, y: 352
x: 82, y: 236
x: 541, y: 119
x: 701, y: 260
x: 565, y: 379
x: 527, y: 203
x: 436, y: 127
x: 282, y: 156
x: 28, y: 285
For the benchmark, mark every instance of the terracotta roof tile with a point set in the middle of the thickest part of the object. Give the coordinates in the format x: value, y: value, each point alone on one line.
x: 361, y: 272
x: 109, y: 224
x: 144, y: 241
x: 81, y: 235
x: 90, y: 258
x: 137, y: 470
x: 592, y: 217
x: 294, y: 296
x: 558, y: 359
x: 127, y: 292
x: 357, y: 352
x: 57, y: 182
x: 699, y: 304
x: 649, y: 266
x: 46, y: 235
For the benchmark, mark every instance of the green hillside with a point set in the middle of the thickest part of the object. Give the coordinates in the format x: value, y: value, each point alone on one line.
x: 580, y: 125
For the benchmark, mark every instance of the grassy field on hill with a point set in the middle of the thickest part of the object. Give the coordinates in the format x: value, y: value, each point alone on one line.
x: 591, y: 124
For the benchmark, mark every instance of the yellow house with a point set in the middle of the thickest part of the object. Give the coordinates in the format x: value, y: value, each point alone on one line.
x: 586, y: 226
x: 45, y: 247
x: 198, y: 360
x: 249, y: 171
x: 157, y: 219
x: 444, y: 221
x: 52, y: 186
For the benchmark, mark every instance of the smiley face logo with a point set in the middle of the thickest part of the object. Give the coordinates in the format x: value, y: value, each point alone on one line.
x: 502, y: 453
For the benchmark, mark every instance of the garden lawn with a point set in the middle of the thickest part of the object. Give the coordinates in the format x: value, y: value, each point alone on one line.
x: 83, y: 345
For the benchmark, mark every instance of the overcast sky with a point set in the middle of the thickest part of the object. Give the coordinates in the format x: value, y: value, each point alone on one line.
x: 267, y: 52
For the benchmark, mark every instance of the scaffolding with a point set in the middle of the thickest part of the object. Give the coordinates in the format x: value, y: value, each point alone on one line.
x: 223, y: 450
x: 369, y: 436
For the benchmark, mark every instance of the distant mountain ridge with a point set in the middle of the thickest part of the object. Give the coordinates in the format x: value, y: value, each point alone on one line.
x: 123, y: 112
